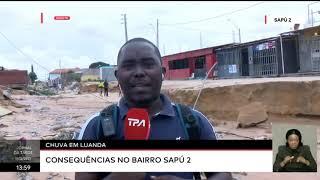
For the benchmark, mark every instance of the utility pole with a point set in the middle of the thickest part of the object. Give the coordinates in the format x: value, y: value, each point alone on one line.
x: 233, y: 36
x: 309, y: 11
x: 60, y: 66
x: 311, y: 17
x: 158, y: 33
x: 236, y: 28
x: 164, y: 50
x: 200, y: 40
x: 60, y: 80
x: 125, y: 26
x: 239, y: 36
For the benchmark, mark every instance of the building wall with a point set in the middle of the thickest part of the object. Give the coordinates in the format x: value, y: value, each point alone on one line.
x: 210, y: 61
x: 172, y: 74
x: 228, y: 63
x: 90, y: 77
x: 179, y: 74
x: 91, y: 74
x: 54, y: 76
x: 192, y: 61
x: 289, y: 56
x: 165, y: 64
x: 13, y: 77
x: 107, y: 73
x: 306, y: 39
x: 264, y: 59
x: 305, y: 53
x: 191, y: 56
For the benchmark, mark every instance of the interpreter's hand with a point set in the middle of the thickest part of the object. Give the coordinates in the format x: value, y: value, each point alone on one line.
x: 166, y: 177
x: 302, y: 160
x: 288, y: 159
x: 126, y: 175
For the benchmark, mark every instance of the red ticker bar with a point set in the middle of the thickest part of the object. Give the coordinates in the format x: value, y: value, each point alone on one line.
x: 62, y: 18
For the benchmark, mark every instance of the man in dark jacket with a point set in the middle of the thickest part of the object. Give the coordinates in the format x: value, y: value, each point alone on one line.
x: 140, y: 75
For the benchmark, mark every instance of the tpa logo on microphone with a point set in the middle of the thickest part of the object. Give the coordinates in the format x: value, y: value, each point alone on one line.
x: 137, y: 122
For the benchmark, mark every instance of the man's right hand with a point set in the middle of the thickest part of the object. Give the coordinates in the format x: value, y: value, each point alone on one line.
x: 126, y: 175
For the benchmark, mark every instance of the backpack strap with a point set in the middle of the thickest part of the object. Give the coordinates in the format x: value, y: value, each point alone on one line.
x: 109, y: 121
x: 191, y: 126
x: 189, y: 121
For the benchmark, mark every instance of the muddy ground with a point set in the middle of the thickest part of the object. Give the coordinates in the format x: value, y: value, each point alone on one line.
x: 47, y: 116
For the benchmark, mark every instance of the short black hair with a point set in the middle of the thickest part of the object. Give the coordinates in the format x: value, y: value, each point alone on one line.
x: 296, y: 132
x: 140, y: 40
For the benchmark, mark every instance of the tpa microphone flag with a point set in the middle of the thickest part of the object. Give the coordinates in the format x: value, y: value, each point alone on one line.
x: 137, y: 124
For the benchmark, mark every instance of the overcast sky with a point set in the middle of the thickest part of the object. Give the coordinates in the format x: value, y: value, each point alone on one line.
x: 95, y: 33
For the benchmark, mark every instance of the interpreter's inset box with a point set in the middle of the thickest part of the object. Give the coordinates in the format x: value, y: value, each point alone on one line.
x: 294, y: 148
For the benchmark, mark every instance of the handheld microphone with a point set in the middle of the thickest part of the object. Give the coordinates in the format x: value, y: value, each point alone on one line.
x: 137, y: 124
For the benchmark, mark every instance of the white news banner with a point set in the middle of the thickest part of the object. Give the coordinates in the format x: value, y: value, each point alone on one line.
x: 156, y: 161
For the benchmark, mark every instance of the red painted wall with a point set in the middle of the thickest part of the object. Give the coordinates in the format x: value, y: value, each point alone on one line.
x: 209, y: 63
x: 13, y: 77
x: 210, y: 58
x: 188, y: 54
x: 179, y: 74
x: 192, y: 64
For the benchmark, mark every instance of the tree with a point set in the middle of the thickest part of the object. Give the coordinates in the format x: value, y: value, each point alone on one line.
x: 97, y: 65
x: 33, y: 75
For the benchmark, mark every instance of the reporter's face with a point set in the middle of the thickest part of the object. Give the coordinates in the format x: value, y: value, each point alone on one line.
x: 293, y: 141
x: 139, y: 73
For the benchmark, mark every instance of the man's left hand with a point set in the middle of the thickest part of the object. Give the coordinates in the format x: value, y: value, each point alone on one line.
x: 166, y: 177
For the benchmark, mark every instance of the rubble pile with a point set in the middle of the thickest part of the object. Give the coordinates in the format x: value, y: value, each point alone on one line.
x: 41, y: 88
x: 89, y: 87
x: 6, y: 101
x: 74, y: 86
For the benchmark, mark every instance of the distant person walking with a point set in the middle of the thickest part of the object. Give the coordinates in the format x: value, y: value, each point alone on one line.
x: 106, y: 88
x: 101, y: 87
x: 119, y: 89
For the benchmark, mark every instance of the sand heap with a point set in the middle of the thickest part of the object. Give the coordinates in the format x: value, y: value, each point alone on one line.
x: 92, y: 87
x: 282, y: 98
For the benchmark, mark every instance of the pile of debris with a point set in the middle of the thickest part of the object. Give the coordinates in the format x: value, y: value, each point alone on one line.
x: 73, y: 87
x: 7, y: 101
x: 41, y: 88
x: 89, y: 87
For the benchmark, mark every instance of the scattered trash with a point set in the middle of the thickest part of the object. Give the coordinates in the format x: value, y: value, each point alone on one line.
x: 54, y: 174
x: 24, y: 176
x: 9, y: 135
x: 44, y: 109
x: 74, y: 86
x: 76, y: 116
x: 34, y: 134
x: 4, y: 111
x: 3, y: 125
x: 230, y: 133
x: 264, y: 137
x: 41, y: 88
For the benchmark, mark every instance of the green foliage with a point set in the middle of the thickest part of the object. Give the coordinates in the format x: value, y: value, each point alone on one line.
x: 33, y: 77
